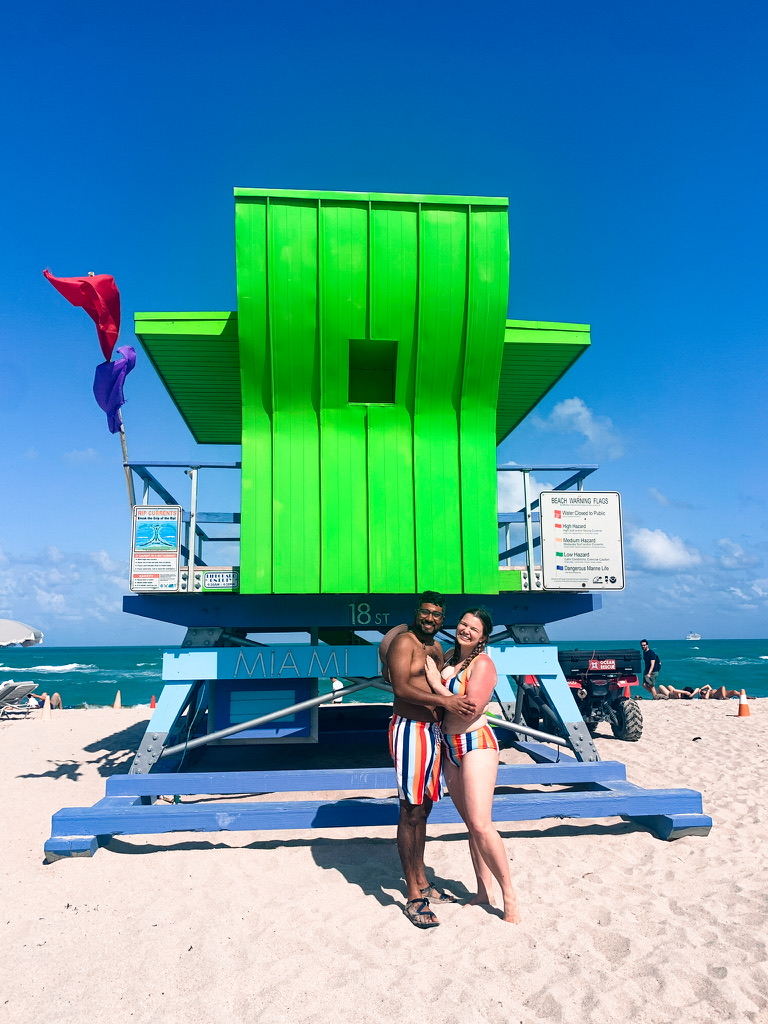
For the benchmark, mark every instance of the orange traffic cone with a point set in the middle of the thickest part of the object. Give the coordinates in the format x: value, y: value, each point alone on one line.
x: 118, y: 703
x: 153, y: 702
x: 744, y: 711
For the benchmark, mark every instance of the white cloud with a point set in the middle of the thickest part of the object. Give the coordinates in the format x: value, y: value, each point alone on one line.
x: 734, y: 556
x: 51, y: 588
x: 510, y: 489
x: 49, y: 600
x: 573, y: 416
x: 80, y: 456
x: 103, y: 560
x: 665, y: 501
x: 659, y: 552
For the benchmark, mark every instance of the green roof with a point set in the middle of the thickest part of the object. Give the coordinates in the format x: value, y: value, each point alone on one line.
x: 536, y: 355
x: 371, y: 197
x: 196, y: 357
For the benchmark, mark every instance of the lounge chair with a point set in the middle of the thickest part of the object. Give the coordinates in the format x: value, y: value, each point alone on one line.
x: 10, y: 699
x: 6, y: 688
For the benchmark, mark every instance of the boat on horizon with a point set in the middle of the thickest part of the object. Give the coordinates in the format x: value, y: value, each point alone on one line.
x: 693, y: 636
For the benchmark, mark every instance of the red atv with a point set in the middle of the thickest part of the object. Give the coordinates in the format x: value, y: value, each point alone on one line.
x: 600, y: 682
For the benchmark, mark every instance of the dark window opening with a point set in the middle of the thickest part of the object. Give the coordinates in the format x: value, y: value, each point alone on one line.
x: 372, y: 371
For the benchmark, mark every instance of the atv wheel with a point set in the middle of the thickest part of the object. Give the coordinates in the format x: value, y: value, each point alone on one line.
x: 628, y: 724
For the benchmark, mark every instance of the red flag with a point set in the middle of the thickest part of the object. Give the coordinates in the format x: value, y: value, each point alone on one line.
x: 99, y: 297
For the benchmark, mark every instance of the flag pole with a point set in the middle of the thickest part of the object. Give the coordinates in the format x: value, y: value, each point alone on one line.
x: 97, y: 294
x: 126, y: 467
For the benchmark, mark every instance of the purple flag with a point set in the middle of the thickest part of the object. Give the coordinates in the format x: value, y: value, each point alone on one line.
x: 108, y: 385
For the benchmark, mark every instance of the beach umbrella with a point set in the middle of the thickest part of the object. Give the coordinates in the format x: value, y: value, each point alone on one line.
x: 12, y: 632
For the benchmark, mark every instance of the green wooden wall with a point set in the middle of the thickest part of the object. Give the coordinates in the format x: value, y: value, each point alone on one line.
x: 396, y: 493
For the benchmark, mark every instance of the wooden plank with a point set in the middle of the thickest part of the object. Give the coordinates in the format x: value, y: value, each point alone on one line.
x: 438, y: 383
x: 343, y: 248
x: 675, y: 826
x: 393, y: 305
x: 332, y: 779
x: 488, y: 291
x: 72, y: 846
x: 253, y: 326
x: 294, y: 355
x: 543, y: 754
x: 150, y: 820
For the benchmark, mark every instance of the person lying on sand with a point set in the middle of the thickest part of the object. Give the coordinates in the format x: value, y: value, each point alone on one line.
x: 662, y: 692
x: 708, y: 692
x: 705, y: 692
x: 672, y: 693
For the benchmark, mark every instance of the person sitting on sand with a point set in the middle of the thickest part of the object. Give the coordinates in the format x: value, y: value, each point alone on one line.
x: 54, y: 700
x: 471, y: 754
x: 708, y: 692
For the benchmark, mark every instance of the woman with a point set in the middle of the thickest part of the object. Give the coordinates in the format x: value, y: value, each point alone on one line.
x: 471, y: 754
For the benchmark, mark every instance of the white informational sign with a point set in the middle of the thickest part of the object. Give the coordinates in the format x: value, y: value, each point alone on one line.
x: 581, y: 546
x: 155, y: 548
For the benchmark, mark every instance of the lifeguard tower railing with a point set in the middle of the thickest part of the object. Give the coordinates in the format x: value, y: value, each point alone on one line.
x: 519, y: 529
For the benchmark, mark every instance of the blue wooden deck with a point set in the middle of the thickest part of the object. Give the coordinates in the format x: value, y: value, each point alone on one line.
x: 128, y: 807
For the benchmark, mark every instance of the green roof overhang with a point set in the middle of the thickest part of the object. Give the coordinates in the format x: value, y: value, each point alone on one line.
x: 196, y: 357
x: 536, y: 355
x: 371, y: 197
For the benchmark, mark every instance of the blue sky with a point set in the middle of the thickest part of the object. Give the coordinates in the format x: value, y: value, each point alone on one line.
x: 630, y: 138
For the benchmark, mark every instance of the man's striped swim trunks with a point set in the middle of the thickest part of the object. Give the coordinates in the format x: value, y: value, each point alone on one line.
x: 457, y: 744
x: 415, y: 749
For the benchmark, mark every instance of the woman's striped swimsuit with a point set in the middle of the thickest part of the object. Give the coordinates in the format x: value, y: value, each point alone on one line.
x: 457, y: 744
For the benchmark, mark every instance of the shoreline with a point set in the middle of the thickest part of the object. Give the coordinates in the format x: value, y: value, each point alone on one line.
x: 346, y: 703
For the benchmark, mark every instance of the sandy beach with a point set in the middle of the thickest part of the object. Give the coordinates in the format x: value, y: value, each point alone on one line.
x: 274, y: 926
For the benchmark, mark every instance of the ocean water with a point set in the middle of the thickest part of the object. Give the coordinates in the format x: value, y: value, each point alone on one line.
x: 735, y: 664
x: 93, y: 675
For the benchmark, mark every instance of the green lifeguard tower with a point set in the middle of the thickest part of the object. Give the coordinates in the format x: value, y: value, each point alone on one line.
x: 368, y: 374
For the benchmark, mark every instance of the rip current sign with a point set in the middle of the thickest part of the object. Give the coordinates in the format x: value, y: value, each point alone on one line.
x: 155, y: 548
x: 581, y: 542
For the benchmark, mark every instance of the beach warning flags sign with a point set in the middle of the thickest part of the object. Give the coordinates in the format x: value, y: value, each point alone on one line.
x: 744, y: 711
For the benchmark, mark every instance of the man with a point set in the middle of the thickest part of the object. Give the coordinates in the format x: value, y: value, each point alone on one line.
x: 414, y: 741
x: 652, y: 668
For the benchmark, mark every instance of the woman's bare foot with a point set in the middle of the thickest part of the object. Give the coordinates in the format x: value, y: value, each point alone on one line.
x: 511, y: 911
x: 481, y: 900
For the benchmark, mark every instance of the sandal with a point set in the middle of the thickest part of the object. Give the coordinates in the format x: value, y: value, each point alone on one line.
x: 418, y: 913
x: 432, y: 893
